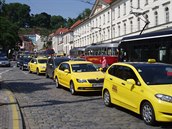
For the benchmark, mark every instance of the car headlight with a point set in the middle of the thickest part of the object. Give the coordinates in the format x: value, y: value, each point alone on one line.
x: 42, y: 67
x: 81, y: 80
x: 164, y: 97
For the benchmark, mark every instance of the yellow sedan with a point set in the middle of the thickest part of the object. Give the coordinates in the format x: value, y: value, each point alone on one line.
x: 144, y: 88
x: 37, y: 65
x: 79, y: 76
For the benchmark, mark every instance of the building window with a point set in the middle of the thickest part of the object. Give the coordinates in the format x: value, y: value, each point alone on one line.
x: 124, y: 28
x: 113, y: 34
x: 103, y: 19
x: 156, y: 18
x: 131, y: 26
x: 147, y: 19
x: 124, y: 8
x: 131, y: 4
x: 108, y: 17
x: 118, y: 11
x: 146, y: 2
x: 138, y: 3
x: 119, y: 30
x: 100, y: 21
x: 96, y: 23
x: 138, y: 23
x: 167, y: 14
x: 113, y: 13
x: 108, y: 29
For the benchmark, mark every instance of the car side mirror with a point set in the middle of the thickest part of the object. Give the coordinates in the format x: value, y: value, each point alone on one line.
x: 131, y: 81
x: 100, y: 69
x: 66, y: 70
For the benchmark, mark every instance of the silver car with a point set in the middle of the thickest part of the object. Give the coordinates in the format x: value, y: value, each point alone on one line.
x: 4, y: 62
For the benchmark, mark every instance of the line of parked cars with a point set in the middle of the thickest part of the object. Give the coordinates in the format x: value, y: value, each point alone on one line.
x: 142, y: 87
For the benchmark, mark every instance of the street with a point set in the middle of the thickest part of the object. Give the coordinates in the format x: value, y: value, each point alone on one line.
x: 44, y: 106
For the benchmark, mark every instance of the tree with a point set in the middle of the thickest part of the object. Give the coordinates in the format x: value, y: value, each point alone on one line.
x: 84, y: 14
x: 8, y: 38
x: 57, y: 22
x: 41, y: 20
x: 17, y: 13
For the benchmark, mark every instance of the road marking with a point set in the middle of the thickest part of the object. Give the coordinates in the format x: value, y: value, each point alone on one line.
x: 6, y: 71
x: 25, y: 72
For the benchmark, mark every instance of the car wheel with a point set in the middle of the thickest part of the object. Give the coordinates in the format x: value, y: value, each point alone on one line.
x: 72, y: 88
x: 147, y: 113
x: 106, y: 98
x: 37, y: 71
x: 57, y: 82
x: 29, y: 70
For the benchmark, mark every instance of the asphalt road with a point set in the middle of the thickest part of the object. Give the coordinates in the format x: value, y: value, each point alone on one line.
x: 45, y: 107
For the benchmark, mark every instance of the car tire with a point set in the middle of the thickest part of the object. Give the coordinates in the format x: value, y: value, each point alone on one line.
x: 72, y: 88
x: 147, y: 113
x: 107, y: 98
x: 37, y: 71
x: 57, y: 82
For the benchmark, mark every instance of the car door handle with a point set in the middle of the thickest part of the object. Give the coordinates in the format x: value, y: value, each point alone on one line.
x: 123, y: 84
x: 111, y: 79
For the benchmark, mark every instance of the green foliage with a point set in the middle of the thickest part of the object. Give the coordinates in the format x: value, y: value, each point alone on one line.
x: 15, y: 19
x: 8, y: 37
x: 17, y: 13
x: 57, y: 22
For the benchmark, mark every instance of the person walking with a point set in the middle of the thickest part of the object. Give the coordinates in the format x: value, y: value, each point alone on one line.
x: 104, y: 64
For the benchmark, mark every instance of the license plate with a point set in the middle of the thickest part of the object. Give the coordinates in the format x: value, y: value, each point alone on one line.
x: 97, y: 85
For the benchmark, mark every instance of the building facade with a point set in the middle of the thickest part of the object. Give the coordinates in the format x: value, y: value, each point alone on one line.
x: 111, y: 20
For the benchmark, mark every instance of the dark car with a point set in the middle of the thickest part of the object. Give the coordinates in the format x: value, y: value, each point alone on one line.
x: 19, y: 61
x: 52, y: 63
x: 4, y: 62
x: 23, y: 64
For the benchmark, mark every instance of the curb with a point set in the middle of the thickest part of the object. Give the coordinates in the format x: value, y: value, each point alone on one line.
x: 15, y: 118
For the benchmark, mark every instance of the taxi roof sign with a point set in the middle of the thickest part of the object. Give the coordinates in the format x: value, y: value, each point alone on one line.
x: 151, y: 61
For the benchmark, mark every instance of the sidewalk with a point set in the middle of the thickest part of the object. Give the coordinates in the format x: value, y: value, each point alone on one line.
x: 10, y: 116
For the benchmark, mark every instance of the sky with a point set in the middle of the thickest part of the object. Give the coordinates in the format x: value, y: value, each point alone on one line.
x: 65, y: 8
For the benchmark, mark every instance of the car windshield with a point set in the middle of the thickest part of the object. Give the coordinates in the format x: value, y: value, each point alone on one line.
x: 27, y: 59
x: 83, y: 68
x: 155, y: 75
x: 42, y: 61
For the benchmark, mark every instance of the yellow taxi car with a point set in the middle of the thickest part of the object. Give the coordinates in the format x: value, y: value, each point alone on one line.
x: 79, y: 76
x: 144, y: 88
x: 37, y: 65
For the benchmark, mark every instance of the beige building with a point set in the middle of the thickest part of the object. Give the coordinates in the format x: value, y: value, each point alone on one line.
x: 111, y: 20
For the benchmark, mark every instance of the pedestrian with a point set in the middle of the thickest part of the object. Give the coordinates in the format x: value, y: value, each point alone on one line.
x: 104, y: 64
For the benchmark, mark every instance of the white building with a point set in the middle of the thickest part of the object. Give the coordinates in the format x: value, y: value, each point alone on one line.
x: 111, y: 20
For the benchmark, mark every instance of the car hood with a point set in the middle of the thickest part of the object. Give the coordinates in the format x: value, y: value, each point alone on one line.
x: 42, y: 65
x: 163, y: 89
x: 89, y: 75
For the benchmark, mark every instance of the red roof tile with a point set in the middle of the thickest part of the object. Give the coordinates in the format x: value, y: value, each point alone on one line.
x: 61, y: 31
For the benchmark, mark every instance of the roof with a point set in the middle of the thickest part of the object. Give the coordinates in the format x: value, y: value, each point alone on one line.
x: 151, y: 35
x: 137, y: 64
x: 79, y: 62
x: 60, y: 31
x: 76, y: 24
